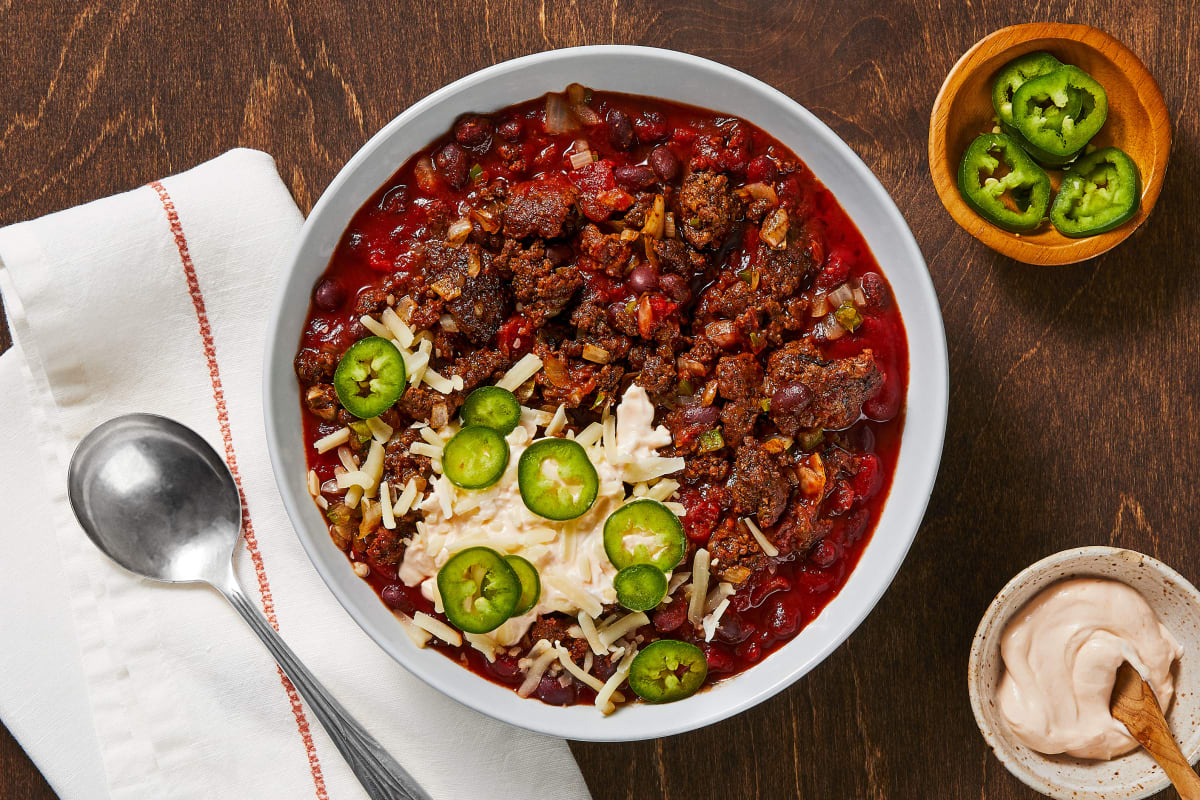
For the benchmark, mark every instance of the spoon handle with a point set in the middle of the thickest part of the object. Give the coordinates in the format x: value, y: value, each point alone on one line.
x: 375, y: 769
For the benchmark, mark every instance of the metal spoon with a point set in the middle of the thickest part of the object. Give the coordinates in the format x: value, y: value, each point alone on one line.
x: 161, y: 503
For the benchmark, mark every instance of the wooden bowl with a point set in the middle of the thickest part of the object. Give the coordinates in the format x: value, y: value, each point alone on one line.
x: 1137, y: 123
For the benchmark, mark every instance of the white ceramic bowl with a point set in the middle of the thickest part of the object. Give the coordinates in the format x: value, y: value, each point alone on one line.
x: 686, y: 79
x: 1135, y: 775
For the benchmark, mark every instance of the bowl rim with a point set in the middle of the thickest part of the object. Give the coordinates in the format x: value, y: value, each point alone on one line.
x: 933, y: 392
x: 991, y: 617
x: 1021, y: 248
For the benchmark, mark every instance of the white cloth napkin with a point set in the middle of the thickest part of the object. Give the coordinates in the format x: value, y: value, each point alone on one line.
x: 155, y: 301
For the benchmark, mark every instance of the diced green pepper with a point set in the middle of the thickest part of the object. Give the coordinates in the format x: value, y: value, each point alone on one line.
x: 711, y: 440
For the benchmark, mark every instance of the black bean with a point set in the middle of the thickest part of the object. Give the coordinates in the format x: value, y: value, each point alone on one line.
x: 791, y: 396
x: 664, y: 163
x: 643, y: 278
x: 675, y: 287
x: 472, y: 130
x: 634, y: 177
x: 451, y: 163
x: 620, y: 129
x: 329, y: 295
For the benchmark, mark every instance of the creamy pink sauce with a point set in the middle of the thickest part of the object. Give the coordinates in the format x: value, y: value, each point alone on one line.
x: 1061, y: 654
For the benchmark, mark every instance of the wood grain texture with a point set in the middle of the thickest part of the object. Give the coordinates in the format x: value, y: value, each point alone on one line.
x: 1138, y: 122
x: 1073, y: 411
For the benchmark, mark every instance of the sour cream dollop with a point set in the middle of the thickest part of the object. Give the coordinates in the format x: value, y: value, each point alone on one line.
x: 1061, y: 655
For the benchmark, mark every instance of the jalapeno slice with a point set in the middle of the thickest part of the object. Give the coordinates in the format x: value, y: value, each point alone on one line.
x: 667, y: 670
x: 1014, y: 75
x: 494, y: 407
x: 1003, y: 184
x: 644, y: 532
x: 1040, y: 111
x: 479, y: 590
x: 556, y: 479
x: 531, y: 584
x: 475, y: 458
x: 370, y: 377
x: 1098, y: 193
x: 640, y: 587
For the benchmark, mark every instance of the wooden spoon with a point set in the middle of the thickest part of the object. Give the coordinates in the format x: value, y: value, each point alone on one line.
x: 1134, y: 704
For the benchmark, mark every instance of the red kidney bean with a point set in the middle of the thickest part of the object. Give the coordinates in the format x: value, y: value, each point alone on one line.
x: 671, y: 616
x: 505, y: 668
x: 784, y: 620
x: 664, y: 163
x: 719, y: 658
x: 761, y: 169
x: 329, y: 295
x: 451, y: 163
x: 885, y: 403
x: 393, y: 594
x: 634, y: 177
x: 749, y: 651
x: 778, y: 583
x: 553, y: 693
x: 861, y: 438
x: 836, y: 271
x: 643, y: 278
x: 510, y: 129
x: 472, y: 130
x: 791, y: 396
x: 700, y: 415
x: 868, y: 478
x: 856, y: 526
x: 874, y: 291
x: 825, y: 553
x: 559, y: 254
x: 734, y: 629
x: 620, y: 129
x: 675, y: 287
x: 649, y: 127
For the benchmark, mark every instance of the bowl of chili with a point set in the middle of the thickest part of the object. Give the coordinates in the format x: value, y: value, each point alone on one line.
x: 1134, y: 121
x: 666, y: 665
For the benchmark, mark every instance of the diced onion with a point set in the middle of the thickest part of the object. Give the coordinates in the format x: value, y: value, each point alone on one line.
x: 458, y: 231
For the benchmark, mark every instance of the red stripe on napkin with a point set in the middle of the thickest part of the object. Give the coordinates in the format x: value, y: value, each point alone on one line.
x: 264, y: 586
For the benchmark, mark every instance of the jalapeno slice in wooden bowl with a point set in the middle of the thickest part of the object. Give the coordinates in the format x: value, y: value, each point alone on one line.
x: 667, y: 670
x: 475, y: 458
x: 370, y: 377
x: 640, y: 587
x: 493, y: 407
x: 479, y: 590
x: 556, y: 479
x: 644, y: 532
x: 531, y: 584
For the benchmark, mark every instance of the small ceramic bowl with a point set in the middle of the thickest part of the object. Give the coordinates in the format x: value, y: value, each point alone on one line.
x: 1135, y: 775
x: 1137, y: 123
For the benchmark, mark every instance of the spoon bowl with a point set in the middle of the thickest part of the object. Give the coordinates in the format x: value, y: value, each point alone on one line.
x: 156, y: 499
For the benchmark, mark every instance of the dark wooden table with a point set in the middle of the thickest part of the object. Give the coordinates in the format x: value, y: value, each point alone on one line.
x: 1073, y: 408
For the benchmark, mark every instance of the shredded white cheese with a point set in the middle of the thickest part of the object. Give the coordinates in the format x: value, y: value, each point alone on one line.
x: 386, y: 508
x: 614, y: 631
x: 426, y: 449
x: 335, y: 439
x: 699, y: 587
x: 379, y: 429
x: 709, y: 623
x: 523, y: 370
x: 419, y: 636
x: 405, y: 501
x: 533, y: 676
x: 589, y: 632
x: 604, y: 696
x: 570, y: 666
x: 397, y: 328
x: 762, y: 540
x: 438, y: 628
x: 375, y: 327
x: 662, y: 490
x: 557, y: 422
x: 437, y: 381
x: 483, y: 643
